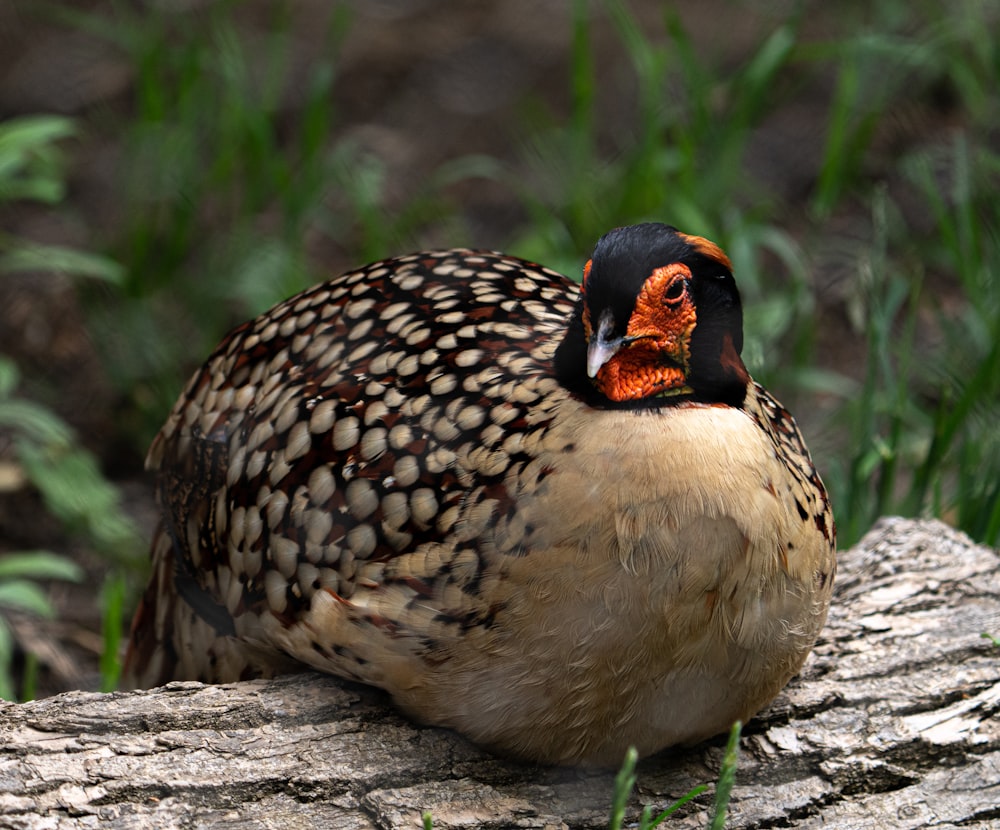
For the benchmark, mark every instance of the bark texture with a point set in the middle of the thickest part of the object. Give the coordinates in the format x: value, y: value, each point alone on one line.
x: 894, y: 723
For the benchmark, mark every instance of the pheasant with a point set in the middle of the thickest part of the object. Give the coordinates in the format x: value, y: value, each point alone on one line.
x: 559, y: 519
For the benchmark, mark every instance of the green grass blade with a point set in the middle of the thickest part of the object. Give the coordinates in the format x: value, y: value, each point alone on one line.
x: 113, y: 598
x: 624, y: 783
x: 24, y: 595
x: 59, y: 259
x: 38, y: 564
x: 7, y: 687
x: 29, y: 677
x: 623, y: 786
x: 694, y: 792
x: 727, y: 777
x: 34, y: 422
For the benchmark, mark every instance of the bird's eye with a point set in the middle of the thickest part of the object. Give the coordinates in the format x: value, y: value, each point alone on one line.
x: 674, y: 292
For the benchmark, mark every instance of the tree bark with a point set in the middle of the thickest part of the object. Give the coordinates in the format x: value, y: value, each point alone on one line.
x: 892, y: 724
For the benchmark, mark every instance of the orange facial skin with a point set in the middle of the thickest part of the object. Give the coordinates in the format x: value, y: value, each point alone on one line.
x: 655, y: 358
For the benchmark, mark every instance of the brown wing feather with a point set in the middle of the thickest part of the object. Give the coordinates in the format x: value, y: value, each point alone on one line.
x: 354, y: 422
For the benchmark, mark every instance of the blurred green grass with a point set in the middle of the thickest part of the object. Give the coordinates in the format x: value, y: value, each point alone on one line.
x: 37, y: 447
x: 223, y: 196
x: 235, y: 197
x: 913, y: 430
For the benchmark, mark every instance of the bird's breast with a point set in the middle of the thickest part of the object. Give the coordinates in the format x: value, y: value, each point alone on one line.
x: 652, y: 564
x: 680, y: 492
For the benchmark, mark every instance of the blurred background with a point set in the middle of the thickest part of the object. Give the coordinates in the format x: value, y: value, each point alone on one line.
x: 169, y: 168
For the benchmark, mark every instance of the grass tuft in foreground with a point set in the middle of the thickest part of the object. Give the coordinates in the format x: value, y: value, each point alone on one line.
x: 626, y: 779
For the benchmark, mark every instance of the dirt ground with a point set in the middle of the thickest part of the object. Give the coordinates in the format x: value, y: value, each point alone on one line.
x: 421, y: 82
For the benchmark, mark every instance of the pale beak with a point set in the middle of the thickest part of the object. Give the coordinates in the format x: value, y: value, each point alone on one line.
x: 602, y: 346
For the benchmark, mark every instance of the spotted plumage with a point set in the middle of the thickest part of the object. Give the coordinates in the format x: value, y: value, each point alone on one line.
x: 560, y: 522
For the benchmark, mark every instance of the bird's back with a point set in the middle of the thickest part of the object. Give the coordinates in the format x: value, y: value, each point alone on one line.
x: 349, y: 424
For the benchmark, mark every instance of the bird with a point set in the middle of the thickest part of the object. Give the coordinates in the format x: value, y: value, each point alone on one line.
x: 558, y: 518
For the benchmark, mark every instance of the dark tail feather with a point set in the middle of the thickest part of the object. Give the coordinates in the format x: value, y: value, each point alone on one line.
x: 181, y: 632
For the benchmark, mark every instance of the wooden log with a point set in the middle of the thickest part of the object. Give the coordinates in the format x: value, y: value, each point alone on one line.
x: 894, y: 723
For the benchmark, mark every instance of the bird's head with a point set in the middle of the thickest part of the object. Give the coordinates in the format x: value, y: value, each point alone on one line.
x: 659, y: 319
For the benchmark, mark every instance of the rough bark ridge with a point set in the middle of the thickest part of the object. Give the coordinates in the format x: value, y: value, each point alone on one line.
x: 893, y: 724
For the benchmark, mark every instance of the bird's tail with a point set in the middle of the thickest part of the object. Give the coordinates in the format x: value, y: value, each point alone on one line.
x: 181, y: 632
